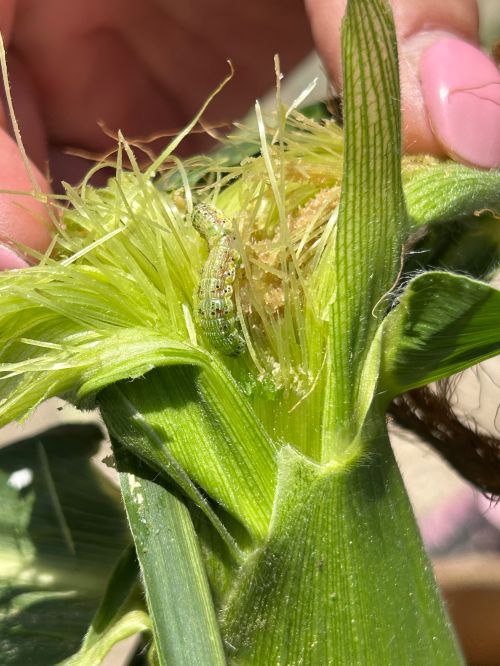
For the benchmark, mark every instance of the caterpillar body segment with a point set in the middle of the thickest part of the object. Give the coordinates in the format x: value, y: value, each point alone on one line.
x: 210, y: 223
x: 216, y: 309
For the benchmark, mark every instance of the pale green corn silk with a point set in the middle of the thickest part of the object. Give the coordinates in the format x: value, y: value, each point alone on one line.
x: 125, y: 271
x: 118, y: 295
x: 120, y: 287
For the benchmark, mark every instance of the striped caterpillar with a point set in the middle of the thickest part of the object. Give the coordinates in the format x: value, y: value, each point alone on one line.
x: 215, y: 307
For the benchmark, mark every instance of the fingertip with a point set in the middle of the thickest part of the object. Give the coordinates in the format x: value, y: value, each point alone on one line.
x: 10, y: 260
x: 418, y: 136
x: 461, y: 90
x: 24, y: 219
x: 418, y: 25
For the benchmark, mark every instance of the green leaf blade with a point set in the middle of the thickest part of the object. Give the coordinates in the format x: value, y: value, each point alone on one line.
x: 447, y: 191
x: 443, y: 324
x: 184, y: 621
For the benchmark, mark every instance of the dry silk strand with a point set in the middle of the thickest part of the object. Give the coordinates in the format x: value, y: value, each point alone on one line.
x: 216, y: 309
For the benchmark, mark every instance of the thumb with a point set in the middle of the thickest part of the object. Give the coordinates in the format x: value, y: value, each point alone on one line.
x: 450, y: 91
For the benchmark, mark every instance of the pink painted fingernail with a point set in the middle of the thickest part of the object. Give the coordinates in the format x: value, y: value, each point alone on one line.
x: 461, y: 88
x: 9, y: 259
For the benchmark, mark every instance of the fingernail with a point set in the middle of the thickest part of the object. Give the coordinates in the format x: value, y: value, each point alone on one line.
x: 9, y: 259
x: 461, y: 89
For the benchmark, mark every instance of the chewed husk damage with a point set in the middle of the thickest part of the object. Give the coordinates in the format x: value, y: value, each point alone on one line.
x: 280, y: 204
x: 127, y: 257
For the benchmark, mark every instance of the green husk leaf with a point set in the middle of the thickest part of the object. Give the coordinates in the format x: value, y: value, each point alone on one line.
x: 61, y: 531
x: 161, y: 415
x: 130, y: 427
x: 344, y: 546
x: 443, y: 324
x: 185, y: 626
x: 446, y: 191
x: 80, y: 373
x: 371, y: 227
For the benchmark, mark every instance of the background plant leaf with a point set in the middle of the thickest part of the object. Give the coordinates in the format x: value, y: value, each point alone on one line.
x: 121, y: 613
x: 62, y: 528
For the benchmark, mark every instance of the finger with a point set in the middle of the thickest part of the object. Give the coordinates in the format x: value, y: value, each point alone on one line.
x: 461, y: 90
x: 24, y: 220
x: 420, y: 26
x: 7, y: 12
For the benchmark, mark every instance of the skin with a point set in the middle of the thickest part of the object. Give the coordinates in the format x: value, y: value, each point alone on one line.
x: 146, y: 67
x: 142, y: 67
x: 418, y: 24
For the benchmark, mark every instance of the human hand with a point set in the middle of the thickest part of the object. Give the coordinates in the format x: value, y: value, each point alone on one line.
x: 146, y: 67
x: 142, y: 67
x: 450, y: 91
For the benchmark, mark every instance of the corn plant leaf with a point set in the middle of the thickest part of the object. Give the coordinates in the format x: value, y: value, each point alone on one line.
x: 184, y: 622
x: 61, y: 530
x: 443, y: 324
